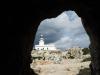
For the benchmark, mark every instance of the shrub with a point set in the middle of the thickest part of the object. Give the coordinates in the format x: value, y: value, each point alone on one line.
x: 86, y: 51
x: 71, y: 57
x: 85, y: 71
x: 87, y: 59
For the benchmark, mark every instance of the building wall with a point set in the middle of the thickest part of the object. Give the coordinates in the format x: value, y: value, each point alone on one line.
x: 45, y: 47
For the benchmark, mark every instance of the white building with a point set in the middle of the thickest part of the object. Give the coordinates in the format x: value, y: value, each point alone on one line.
x: 43, y: 46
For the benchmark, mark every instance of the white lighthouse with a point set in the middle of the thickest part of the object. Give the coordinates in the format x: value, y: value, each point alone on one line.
x: 41, y: 42
x: 43, y: 46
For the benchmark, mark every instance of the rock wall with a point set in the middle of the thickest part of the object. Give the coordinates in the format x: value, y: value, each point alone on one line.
x: 20, y: 31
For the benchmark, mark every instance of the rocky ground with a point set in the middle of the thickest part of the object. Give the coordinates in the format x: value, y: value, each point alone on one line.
x: 66, y: 67
x: 71, y: 62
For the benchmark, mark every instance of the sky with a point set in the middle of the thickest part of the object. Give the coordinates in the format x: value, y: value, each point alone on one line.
x: 64, y: 31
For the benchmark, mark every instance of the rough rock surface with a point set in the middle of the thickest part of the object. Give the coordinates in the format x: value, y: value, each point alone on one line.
x: 59, y: 63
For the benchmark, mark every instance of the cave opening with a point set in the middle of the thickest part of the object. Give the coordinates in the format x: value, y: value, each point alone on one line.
x: 62, y: 36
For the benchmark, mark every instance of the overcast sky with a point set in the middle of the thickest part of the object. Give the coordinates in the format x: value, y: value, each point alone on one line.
x: 64, y: 31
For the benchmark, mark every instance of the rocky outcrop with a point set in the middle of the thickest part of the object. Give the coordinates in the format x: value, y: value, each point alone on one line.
x: 75, y: 53
x: 47, y: 56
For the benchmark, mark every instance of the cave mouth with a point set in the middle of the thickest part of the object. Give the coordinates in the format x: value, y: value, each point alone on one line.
x: 66, y: 34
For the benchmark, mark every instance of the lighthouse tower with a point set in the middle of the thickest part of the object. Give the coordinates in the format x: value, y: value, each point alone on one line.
x: 41, y: 42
